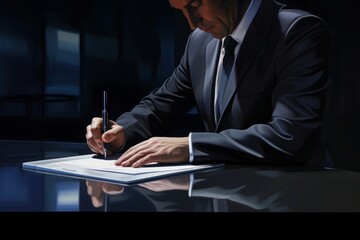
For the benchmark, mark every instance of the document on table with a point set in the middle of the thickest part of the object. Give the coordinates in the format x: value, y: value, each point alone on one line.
x: 92, y: 167
x: 109, y: 166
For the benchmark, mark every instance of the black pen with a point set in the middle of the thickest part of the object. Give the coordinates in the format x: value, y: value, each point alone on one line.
x: 105, y: 118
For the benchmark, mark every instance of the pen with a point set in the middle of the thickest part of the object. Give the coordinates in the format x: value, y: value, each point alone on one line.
x: 105, y: 118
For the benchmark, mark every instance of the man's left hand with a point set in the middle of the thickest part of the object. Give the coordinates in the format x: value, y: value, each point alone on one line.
x: 156, y: 149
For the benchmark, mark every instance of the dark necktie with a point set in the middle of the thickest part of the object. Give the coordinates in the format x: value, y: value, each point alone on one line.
x: 228, y: 62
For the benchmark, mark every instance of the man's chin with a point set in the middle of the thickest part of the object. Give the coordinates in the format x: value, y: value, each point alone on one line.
x: 218, y: 36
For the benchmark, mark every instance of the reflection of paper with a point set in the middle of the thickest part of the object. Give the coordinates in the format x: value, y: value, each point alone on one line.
x: 109, y: 166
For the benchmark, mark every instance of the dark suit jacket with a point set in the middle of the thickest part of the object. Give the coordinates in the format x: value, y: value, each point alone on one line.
x: 274, y: 100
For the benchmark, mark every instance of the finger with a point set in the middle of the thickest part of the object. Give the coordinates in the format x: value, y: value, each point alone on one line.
x: 134, y: 158
x: 94, y: 190
x: 91, y: 142
x: 113, y: 134
x: 155, y: 186
x: 129, y: 157
x: 145, y: 160
x: 97, y: 202
x: 89, y: 188
x: 144, y: 185
x: 112, y: 189
x: 95, y: 130
x: 147, y: 186
x: 133, y: 152
x: 140, y: 160
x: 115, y: 137
x: 92, y: 187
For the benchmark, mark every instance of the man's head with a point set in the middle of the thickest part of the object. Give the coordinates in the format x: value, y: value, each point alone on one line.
x: 217, y: 17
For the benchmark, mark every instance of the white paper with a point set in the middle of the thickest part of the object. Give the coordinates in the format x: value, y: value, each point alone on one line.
x: 109, y: 166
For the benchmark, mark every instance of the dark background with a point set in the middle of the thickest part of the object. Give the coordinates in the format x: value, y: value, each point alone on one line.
x: 56, y: 58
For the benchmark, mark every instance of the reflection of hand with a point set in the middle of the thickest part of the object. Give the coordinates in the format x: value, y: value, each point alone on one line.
x: 156, y: 149
x: 96, y: 191
x: 177, y: 183
x: 94, y: 138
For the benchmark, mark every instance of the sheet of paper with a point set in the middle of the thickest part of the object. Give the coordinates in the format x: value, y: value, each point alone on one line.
x: 109, y: 166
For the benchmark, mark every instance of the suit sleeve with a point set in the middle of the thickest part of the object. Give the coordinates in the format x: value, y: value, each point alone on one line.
x: 159, y: 109
x: 297, y: 106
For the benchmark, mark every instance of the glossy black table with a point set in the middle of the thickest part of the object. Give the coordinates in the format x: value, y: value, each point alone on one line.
x: 229, y: 189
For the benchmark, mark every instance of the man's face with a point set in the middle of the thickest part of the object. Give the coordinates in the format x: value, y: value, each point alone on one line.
x: 217, y: 17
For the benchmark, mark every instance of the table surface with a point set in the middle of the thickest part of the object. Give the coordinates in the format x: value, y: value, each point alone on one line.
x: 229, y: 189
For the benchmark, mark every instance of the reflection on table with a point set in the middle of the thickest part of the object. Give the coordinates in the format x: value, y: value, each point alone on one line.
x: 246, y: 189
x: 229, y: 189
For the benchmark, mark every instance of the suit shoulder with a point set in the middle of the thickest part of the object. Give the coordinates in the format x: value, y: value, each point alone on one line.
x: 289, y: 18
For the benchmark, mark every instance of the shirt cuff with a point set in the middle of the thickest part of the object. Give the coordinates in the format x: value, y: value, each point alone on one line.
x: 191, y: 153
x: 191, y: 184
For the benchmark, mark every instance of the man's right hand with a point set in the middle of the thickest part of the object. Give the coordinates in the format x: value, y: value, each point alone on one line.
x: 95, y: 139
x: 96, y: 191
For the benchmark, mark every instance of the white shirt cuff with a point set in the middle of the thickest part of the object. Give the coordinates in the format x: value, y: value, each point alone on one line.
x: 191, y: 153
x: 191, y: 184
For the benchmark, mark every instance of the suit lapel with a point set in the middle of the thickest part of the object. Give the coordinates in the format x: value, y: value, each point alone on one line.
x: 212, y: 55
x: 249, y: 49
x: 246, y: 56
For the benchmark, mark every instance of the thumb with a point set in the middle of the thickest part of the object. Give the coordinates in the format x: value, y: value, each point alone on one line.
x: 114, y: 133
x: 108, y: 137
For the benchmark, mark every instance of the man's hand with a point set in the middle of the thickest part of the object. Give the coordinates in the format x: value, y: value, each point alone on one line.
x: 96, y: 191
x: 94, y: 138
x: 174, y: 183
x: 156, y: 149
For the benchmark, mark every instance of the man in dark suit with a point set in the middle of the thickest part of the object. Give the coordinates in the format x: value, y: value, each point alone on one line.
x: 271, y: 107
